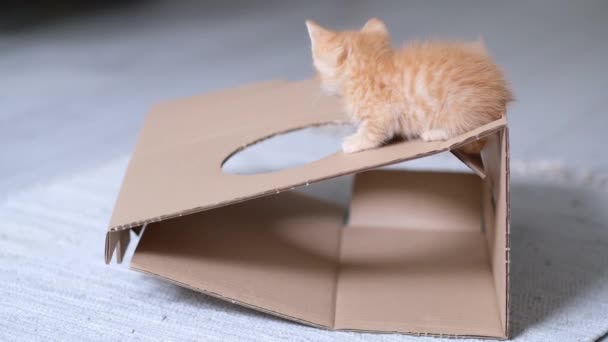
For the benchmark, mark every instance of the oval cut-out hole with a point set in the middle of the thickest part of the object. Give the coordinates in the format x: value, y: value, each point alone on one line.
x: 288, y: 150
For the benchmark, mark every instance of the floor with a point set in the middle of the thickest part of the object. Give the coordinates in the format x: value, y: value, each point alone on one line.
x: 76, y: 82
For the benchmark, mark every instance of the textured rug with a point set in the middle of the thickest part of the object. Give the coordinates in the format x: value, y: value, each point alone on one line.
x: 54, y: 285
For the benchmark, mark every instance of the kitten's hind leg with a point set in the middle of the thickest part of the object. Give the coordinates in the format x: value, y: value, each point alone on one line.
x: 434, y: 135
x: 368, y: 136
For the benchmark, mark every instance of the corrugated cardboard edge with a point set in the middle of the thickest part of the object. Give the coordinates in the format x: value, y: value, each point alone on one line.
x: 508, y: 232
x: 111, y: 237
x: 117, y: 241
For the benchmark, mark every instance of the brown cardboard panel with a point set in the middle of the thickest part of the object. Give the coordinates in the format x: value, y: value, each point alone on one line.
x: 505, y: 229
x: 173, y: 123
x: 424, y: 281
x: 176, y: 168
x: 414, y: 258
x: 277, y: 254
x: 288, y: 255
x: 496, y: 211
x: 423, y: 253
x: 488, y: 208
x: 416, y: 200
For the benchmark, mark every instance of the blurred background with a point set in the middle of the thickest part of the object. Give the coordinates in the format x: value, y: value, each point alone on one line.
x: 77, y: 77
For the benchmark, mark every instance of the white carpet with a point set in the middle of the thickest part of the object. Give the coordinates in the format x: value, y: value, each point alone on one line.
x: 55, y: 286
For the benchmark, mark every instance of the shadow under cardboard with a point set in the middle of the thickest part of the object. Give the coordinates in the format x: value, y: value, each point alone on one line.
x: 558, y: 240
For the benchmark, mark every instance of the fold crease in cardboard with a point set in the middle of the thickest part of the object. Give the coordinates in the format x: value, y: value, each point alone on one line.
x: 419, y: 253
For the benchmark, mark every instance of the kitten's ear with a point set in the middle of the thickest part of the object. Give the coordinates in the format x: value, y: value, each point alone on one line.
x: 374, y: 25
x: 318, y: 33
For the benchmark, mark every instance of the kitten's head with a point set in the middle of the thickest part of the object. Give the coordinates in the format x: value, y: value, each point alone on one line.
x: 333, y: 50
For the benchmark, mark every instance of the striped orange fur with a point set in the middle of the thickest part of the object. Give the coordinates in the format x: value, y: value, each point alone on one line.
x: 432, y: 90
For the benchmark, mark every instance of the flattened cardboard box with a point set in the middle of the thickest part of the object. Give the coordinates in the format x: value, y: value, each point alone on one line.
x: 419, y: 252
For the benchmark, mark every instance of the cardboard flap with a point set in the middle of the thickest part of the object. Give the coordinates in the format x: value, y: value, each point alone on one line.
x: 417, y: 236
x: 117, y: 241
x: 496, y: 213
x: 277, y: 254
x: 176, y: 167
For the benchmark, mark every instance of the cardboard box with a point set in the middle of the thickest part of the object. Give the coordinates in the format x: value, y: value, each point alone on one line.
x: 416, y: 252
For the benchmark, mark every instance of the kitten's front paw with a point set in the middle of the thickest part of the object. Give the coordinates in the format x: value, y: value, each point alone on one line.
x: 355, y: 143
x: 434, y: 135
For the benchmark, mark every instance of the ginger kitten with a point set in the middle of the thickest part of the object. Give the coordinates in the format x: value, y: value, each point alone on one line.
x: 431, y: 90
